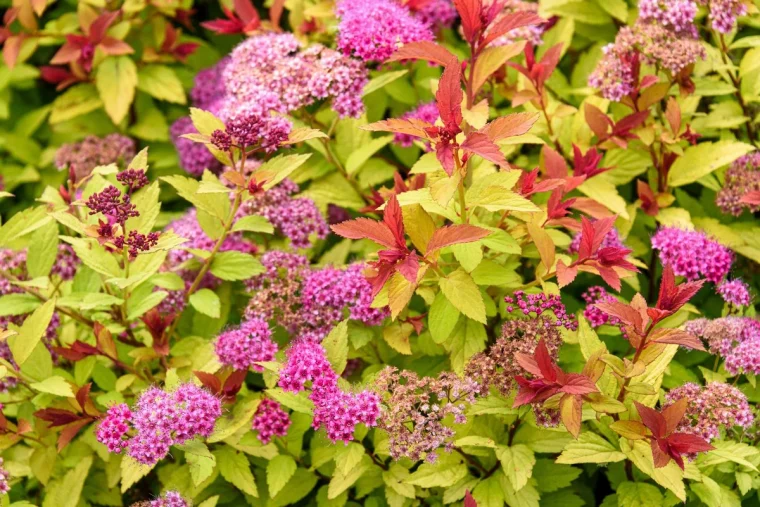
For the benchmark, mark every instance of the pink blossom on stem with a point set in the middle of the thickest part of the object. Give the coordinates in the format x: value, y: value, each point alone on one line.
x: 735, y: 292
x: 692, y: 254
x: 270, y: 420
x: 243, y: 346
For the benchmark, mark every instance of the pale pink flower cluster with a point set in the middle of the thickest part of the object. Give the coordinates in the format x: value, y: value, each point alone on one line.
x: 736, y: 339
x: 170, y: 499
x: 336, y: 410
x: 531, y: 34
x: 711, y: 408
x: 270, y: 420
x: 372, y: 29
x: 243, y: 346
x: 723, y: 13
x: 742, y: 177
x: 159, y: 420
x: 272, y: 70
x: 692, y: 254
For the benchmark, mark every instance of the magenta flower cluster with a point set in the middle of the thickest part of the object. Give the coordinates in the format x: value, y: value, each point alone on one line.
x: 159, y: 420
x: 297, y: 218
x: 742, y: 177
x: 427, y: 112
x: 243, y: 346
x: 5, y: 487
x: 170, y: 499
x: 736, y: 339
x: 193, y: 157
x: 372, y: 29
x: 692, y: 254
x: 436, y: 14
x: 336, y: 410
x: 710, y: 408
x: 595, y: 316
x: 735, y: 292
x: 270, y: 420
x: 540, y: 303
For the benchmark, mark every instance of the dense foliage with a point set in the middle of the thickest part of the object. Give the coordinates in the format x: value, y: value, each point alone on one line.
x: 379, y: 252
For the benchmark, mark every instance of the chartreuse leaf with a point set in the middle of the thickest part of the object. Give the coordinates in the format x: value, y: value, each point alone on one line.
x: 669, y: 476
x: 95, y: 256
x: 116, y: 81
x: 517, y: 463
x: 161, y: 82
x: 253, y: 223
x: 442, y: 318
x: 469, y: 338
x: 200, y: 460
x: 462, y: 292
x: 704, y: 158
x: 638, y: 494
x: 488, y: 493
x: 40, y: 258
x: 207, y: 302
x: 236, y: 469
x: 217, y: 205
x: 54, y: 385
x: 381, y: 80
x: 714, y: 494
x: 229, y: 424
x: 336, y: 346
x: 279, y: 471
x: 349, y: 456
x: 31, y: 331
x: 447, y: 471
x: 590, y: 448
x: 394, y: 478
x: 341, y: 482
x: 298, y: 402
x: 131, y: 472
x: 17, y: 304
x: 527, y: 496
x: 235, y: 265
x: 67, y: 491
x: 551, y: 476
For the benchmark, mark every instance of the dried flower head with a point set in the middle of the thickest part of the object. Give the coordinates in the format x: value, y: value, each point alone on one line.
x: 82, y: 157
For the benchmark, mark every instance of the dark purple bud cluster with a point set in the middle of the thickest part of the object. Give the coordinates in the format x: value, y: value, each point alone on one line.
x: 133, y: 179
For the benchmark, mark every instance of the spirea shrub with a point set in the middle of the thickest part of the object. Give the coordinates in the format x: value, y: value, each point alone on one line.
x: 379, y: 252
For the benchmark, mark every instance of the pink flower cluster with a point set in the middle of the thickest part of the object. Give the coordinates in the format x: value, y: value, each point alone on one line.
x: 427, y: 111
x: 297, y: 218
x: 5, y: 487
x: 273, y: 70
x: 243, y: 346
x: 736, y: 339
x: 595, y: 316
x: 735, y: 292
x: 531, y: 34
x: 742, y: 177
x: 541, y: 303
x: 270, y: 420
x: 723, y: 13
x: 436, y: 14
x: 159, y: 420
x: 250, y: 124
x: 711, y: 407
x: 336, y: 410
x: 372, y: 29
x: 692, y: 254
x: 208, y: 85
x: 82, y: 157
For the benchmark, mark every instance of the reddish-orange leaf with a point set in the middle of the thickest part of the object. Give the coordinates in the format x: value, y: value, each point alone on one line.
x: 209, y: 380
x: 424, y: 50
x: 570, y: 412
x: 246, y: 11
x: 678, y: 337
x: 479, y: 144
x: 673, y: 414
x: 11, y: 50
x: 673, y: 114
x: 554, y: 163
x: 509, y: 126
x: 100, y: 26
x: 275, y: 12
x: 652, y: 419
x: 752, y: 198
x: 565, y: 274
x: 412, y: 126
x: 361, y: 228
x: 597, y: 120
x: 449, y: 96
x: 394, y: 220
x: 115, y: 47
x: 455, y: 234
x: 509, y: 22
x: 469, y: 13
x: 69, y: 432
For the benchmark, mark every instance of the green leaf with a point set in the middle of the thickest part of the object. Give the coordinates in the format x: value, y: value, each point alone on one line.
x: 590, y: 448
x: 229, y: 424
x: 381, y: 80
x: 394, y: 478
x: 527, y: 496
x: 340, y: 482
x: 40, y: 258
x: 550, y: 476
x: 236, y: 469
x: 94, y: 255
x: 488, y: 493
x: 161, y: 82
x: 200, y: 460
x: 464, y: 295
x: 17, y: 304
x: 131, y: 472
x: 116, y: 80
x: 279, y: 471
x: 234, y: 265
x: 298, y: 402
x: 704, y: 158
x: 638, y: 494
x: 358, y: 157
x: 207, y: 302
x: 76, y: 101
x: 604, y: 192
x: 336, y: 346
x: 136, y: 307
x: 517, y: 463
x: 280, y: 167
x: 347, y: 457
x: 442, y: 318
x: 447, y: 471
x: 468, y: 339
x: 216, y: 205
x: 31, y: 331
x: 68, y: 491
x: 253, y: 223
x: 54, y: 385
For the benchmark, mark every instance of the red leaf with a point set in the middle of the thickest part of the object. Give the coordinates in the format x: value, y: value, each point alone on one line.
x: 444, y: 152
x: 597, y: 120
x: 686, y: 443
x: 626, y: 313
x: 469, y: 13
x: 550, y: 60
x: 578, y: 384
x: 361, y: 228
x: 509, y: 22
x: 648, y: 199
x: 209, y: 380
x: 630, y: 122
x: 424, y: 50
x: 469, y: 501
x: 673, y: 415
x: 69, y: 432
x: 100, y: 26
x: 56, y: 416
x: 554, y: 163
x: 83, y: 395
x: 409, y: 266
x: 610, y: 277
x: 672, y: 296
x: 246, y: 12
x: 528, y: 364
x: 449, y: 96
x: 678, y: 337
x: 544, y: 361
x: 586, y: 248
x: 601, y: 228
x: 752, y: 198
x: 115, y: 47
x: 223, y: 26
x: 652, y: 419
x: 454, y: 235
x: 479, y: 144
x: 565, y: 274
x: 510, y: 125
x: 233, y: 383
x: 659, y: 455
x: 394, y: 221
